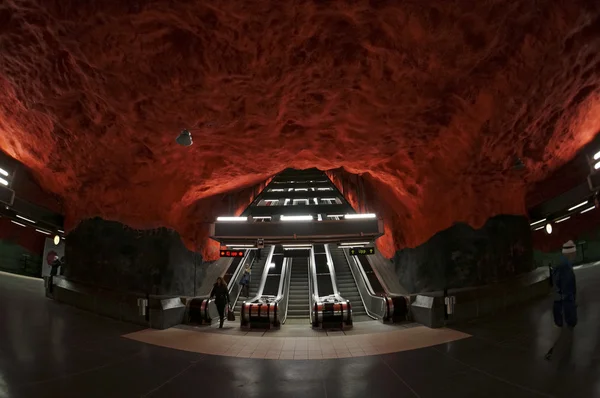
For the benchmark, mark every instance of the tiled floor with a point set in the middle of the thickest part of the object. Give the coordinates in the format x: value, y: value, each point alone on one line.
x: 51, y: 350
x: 268, y: 345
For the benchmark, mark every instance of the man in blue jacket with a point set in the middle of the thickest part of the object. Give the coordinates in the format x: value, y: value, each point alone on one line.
x: 565, y: 288
x: 564, y: 308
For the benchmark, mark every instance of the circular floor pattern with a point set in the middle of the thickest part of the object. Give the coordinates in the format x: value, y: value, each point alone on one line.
x: 286, y: 344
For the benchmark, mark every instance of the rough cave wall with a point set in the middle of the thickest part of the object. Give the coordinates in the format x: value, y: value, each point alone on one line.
x: 426, y: 97
x: 110, y: 255
x: 462, y: 256
x: 21, y: 249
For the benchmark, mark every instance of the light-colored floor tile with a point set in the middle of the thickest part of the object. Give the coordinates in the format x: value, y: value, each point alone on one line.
x: 300, y: 355
x: 259, y: 354
x: 286, y: 355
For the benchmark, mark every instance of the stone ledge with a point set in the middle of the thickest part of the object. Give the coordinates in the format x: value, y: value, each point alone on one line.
x: 163, y: 311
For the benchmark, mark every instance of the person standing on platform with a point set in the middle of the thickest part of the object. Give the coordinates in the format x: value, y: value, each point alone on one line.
x: 221, y: 295
x: 564, y: 309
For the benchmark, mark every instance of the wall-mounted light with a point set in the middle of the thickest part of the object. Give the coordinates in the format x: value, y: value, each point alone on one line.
x: 578, y: 205
x: 588, y: 209
x: 548, y: 228
x: 56, y: 240
x: 26, y: 219
x: 537, y: 222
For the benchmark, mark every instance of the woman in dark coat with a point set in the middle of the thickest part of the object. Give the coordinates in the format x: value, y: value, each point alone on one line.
x: 221, y: 296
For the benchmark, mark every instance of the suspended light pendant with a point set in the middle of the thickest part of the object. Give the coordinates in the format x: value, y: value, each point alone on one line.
x: 185, y: 138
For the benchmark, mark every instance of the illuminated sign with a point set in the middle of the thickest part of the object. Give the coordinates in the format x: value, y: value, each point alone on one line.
x: 232, y: 253
x: 362, y: 251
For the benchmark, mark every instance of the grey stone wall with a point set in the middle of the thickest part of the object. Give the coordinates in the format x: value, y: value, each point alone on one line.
x: 461, y: 256
x: 110, y: 255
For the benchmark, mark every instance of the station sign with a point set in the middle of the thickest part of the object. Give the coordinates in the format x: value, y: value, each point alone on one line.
x: 362, y: 251
x: 232, y: 253
x: 296, y: 253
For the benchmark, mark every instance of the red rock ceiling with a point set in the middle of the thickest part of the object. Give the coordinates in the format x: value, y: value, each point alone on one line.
x: 431, y: 101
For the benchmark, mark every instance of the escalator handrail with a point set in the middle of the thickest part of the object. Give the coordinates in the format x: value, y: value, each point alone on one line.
x: 238, y: 274
x: 264, y: 275
x: 312, y: 283
x: 285, y: 289
x: 336, y: 292
x: 364, y: 287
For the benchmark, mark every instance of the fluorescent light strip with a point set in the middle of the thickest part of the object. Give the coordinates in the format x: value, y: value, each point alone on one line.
x: 237, y: 248
x: 4, y: 172
x: 597, y: 166
x: 271, y: 200
x: 61, y: 231
x: 579, y: 205
x: 537, y: 222
x: 597, y: 156
x: 287, y: 201
x: 42, y: 232
x: 359, y: 216
x: 229, y: 245
x: 297, y: 245
x: 335, y: 215
x: 26, y: 219
x: 562, y: 219
x: 316, y: 201
x: 3, y: 182
x: 324, y: 189
x: 18, y: 223
x: 296, y: 218
x: 232, y: 219
x: 354, y: 243
x: 262, y: 217
x: 538, y: 228
x: 588, y: 209
x: 297, y: 248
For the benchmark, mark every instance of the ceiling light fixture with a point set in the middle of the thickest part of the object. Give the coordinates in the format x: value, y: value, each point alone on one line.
x: 562, y: 219
x: 56, y: 240
x: 353, y: 243
x: 42, y: 232
x: 597, y: 156
x: 588, y: 209
x: 538, y: 228
x: 296, y: 218
x: 579, y: 205
x: 238, y: 245
x: 18, y: 223
x: 3, y: 172
x: 26, y: 219
x: 548, y: 228
x: 359, y: 216
x: 232, y: 219
x: 3, y: 182
x: 537, y: 222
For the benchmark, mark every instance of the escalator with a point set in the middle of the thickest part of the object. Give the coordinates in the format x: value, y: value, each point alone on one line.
x: 255, y: 279
x: 346, y: 284
x: 298, y: 299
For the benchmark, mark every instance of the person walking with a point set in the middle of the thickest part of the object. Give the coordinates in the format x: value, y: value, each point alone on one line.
x: 221, y: 295
x: 564, y: 308
x: 245, y: 282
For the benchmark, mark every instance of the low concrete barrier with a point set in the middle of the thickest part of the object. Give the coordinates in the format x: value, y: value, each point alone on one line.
x: 160, y: 312
x: 472, y: 303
